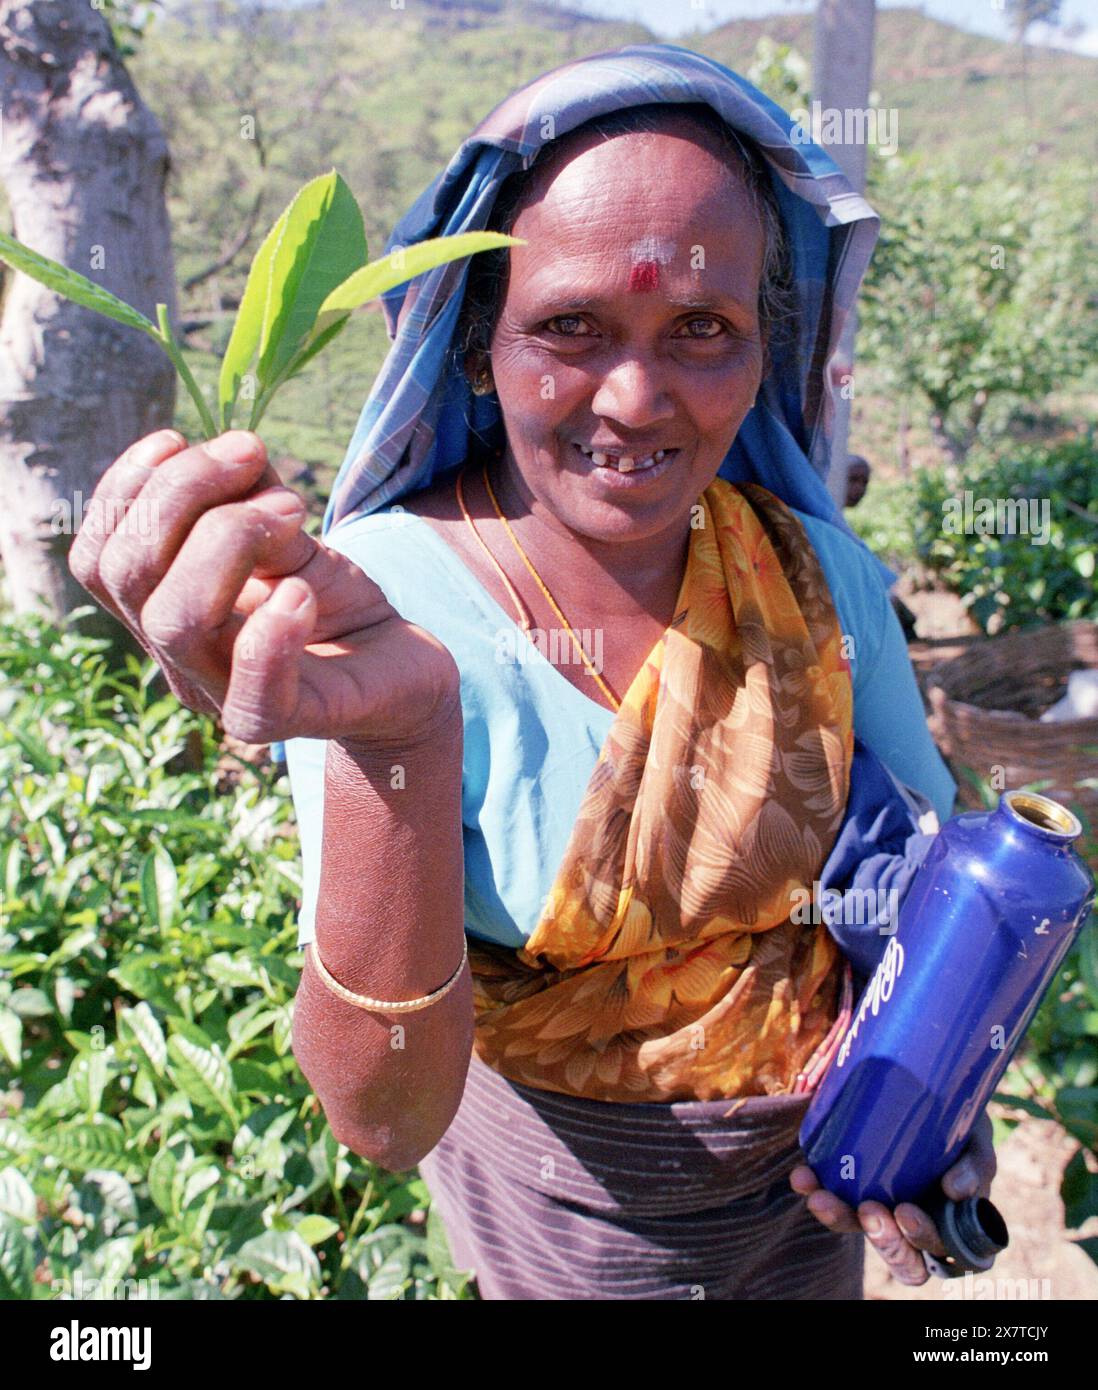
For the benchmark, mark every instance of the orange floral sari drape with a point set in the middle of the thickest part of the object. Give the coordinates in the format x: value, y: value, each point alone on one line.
x: 666, y: 964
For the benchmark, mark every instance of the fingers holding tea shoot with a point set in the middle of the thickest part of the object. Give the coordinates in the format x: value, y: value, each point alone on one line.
x: 131, y: 560
x: 199, y: 593
x: 110, y: 503
x: 264, y: 685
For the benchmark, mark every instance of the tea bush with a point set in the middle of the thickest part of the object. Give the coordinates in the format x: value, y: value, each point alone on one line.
x: 1008, y: 580
x: 153, y: 1122
x: 883, y: 520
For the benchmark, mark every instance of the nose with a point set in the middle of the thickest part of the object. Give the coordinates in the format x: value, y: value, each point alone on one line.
x: 633, y: 393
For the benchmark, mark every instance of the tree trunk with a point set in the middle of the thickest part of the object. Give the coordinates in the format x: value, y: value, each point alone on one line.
x: 84, y: 164
x: 903, y: 453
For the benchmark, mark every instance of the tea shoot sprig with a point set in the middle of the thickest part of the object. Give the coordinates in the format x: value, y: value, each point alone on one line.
x: 307, y: 278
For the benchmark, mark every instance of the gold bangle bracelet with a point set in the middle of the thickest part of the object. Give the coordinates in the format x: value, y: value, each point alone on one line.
x: 387, y: 1006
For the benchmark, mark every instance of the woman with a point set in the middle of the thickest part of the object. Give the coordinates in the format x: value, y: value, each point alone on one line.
x: 613, y: 802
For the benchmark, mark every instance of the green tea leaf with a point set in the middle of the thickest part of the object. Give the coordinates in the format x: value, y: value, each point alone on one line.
x: 13, y: 864
x: 366, y: 284
x: 238, y: 972
x: 144, y: 1089
x: 16, y: 1260
x: 112, y: 1261
x: 1025, y: 1104
x: 313, y: 1229
x: 248, y: 327
x: 84, y: 1146
x: 405, y: 264
x: 296, y: 365
x: 313, y: 247
x: 14, y: 1139
x: 1079, y: 1191
x: 202, y: 1074
x: 162, y: 1171
x: 438, y: 1252
x: 30, y: 1003
x: 72, y: 285
x: 109, y: 1199
x: 282, y: 1259
x: 388, y: 1281
x: 89, y: 1075
x: 11, y: 1037
x: 17, y: 1196
x: 143, y: 1024
x: 323, y: 243
x: 159, y: 887
x: 1078, y: 1106
x: 315, y: 344
x: 139, y: 974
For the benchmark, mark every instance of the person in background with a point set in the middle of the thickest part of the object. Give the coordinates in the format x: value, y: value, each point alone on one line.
x: 857, y: 479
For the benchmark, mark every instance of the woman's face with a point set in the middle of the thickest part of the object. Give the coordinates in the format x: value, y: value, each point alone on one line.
x: 629, y: 326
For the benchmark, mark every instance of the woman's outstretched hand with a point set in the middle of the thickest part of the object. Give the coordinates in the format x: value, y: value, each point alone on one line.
x: 248, y: 616
x: 902, y: 1235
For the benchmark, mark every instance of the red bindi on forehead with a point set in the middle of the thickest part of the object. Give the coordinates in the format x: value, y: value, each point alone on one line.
x: 644, y: 275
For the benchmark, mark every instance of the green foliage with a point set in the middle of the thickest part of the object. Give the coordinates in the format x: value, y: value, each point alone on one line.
x: 779, y: 70
x: 1007, y: 580
x: 979, y: 291
x: 883, y: 519
x: 129, y: 21
x: 153, y: 1121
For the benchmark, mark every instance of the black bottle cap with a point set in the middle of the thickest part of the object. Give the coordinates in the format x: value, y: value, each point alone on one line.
x: 973, y: 1232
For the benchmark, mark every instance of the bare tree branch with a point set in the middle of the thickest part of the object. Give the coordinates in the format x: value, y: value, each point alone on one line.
x: 232, y: 251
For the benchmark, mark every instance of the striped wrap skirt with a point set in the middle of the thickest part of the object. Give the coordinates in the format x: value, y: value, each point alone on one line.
x: 549, y: 1196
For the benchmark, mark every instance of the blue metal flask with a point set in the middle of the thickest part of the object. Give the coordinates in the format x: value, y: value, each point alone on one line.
x: 985, y: 925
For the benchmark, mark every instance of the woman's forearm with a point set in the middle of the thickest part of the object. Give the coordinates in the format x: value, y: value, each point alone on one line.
x: 390, y: 924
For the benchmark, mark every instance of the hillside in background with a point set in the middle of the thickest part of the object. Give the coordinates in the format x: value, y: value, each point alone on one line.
x: 959, y: 95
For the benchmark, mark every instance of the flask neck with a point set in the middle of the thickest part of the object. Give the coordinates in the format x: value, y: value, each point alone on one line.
x: 1039, y: 817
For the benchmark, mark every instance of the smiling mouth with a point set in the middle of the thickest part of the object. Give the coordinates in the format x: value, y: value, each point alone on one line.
x: 625, y: 463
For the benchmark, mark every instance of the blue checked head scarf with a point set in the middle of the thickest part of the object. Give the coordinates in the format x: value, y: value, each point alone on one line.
x: 421, y: 415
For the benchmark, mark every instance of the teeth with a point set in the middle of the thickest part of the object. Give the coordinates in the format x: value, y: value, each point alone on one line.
x: 625, y: 463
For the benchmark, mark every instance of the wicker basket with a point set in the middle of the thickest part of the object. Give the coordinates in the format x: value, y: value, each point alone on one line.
x: 984, y: 713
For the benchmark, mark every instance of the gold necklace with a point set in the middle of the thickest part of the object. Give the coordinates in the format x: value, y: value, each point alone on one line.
x: 523, y: 618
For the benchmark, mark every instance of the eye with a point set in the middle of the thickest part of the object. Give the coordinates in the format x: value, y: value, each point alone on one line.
x: 566, y: 318
x: 705, y: 319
